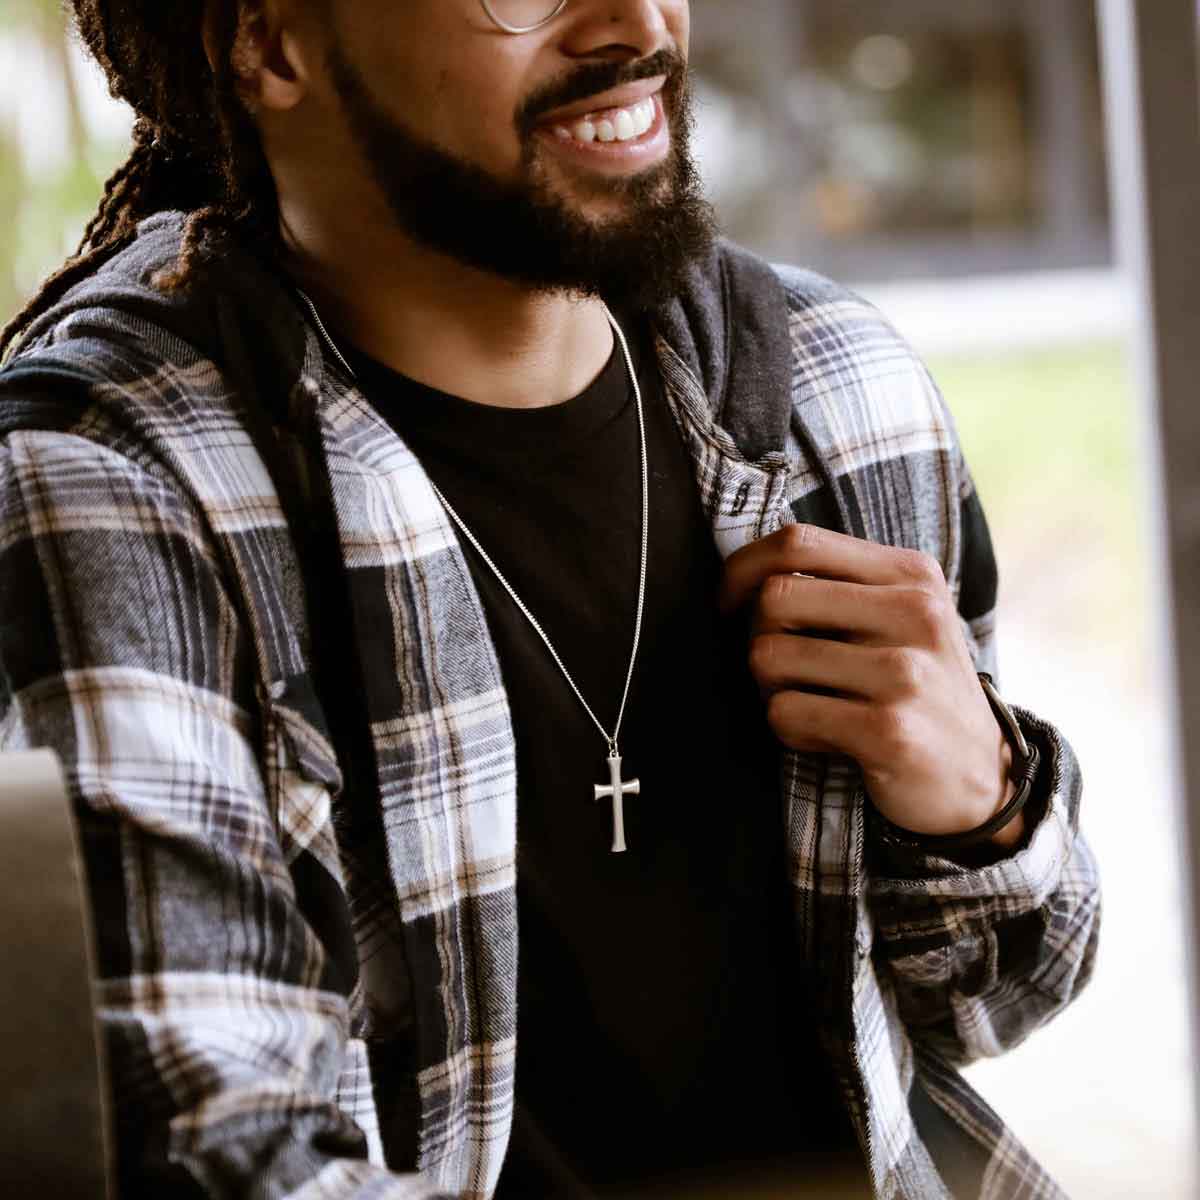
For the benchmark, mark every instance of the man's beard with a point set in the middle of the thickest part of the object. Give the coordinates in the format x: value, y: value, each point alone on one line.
x: 522, y: 229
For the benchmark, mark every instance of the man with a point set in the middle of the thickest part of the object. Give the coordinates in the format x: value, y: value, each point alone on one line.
x: 362, y: 486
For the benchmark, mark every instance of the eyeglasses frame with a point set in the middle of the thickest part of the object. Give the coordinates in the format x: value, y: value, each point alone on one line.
x: 504, y: 25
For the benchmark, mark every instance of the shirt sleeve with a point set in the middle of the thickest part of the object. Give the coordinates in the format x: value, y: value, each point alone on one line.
x: 984, y: 949
x: 225, y: 1016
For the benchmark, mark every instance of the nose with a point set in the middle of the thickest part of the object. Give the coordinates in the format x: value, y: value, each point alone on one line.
x: 626, y: 29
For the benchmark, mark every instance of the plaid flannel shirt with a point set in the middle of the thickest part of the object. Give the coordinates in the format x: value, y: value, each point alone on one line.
x: 303, y: 999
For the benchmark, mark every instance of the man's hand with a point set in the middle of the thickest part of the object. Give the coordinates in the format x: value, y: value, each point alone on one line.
x: 876, y: 629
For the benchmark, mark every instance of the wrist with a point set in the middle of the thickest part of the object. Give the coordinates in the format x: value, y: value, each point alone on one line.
x: 1005, y: 825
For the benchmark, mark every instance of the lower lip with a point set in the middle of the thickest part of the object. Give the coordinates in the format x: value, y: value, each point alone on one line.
x: 640, y: 152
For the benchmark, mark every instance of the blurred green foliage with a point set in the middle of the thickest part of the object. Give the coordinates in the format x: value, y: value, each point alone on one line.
x: 43, y: 208
x: 1052, y: 440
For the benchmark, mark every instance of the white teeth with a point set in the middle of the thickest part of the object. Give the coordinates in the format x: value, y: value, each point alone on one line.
x: 562, y: 133
x: 623, y: 125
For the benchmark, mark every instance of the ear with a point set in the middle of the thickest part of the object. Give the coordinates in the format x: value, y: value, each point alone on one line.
x: 267, y: 56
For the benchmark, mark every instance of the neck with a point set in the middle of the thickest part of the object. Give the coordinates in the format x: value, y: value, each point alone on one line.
x: 450, y: 326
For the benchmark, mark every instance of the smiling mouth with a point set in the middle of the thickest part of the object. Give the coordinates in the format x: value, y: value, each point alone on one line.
x: 611, y: 124
x: 633, y: 137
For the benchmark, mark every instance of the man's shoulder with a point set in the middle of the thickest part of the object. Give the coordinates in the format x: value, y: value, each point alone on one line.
x: 117, y: 342
x: 765, y: 340
x: 826, y: 324
x: 807, y: 288
x: 831, y: 325
x: 849, y: 358
x: 118, y: 299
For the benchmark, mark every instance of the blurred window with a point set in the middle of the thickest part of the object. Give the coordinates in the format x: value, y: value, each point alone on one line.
x: 908, y: 138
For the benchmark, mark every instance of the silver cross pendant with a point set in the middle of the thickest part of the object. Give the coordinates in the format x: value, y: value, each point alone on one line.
x: 618, y: 790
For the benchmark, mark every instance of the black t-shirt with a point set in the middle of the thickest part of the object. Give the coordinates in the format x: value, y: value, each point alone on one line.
x: 662, y: 1025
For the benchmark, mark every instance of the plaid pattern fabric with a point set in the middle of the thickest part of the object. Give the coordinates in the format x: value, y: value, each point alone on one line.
x: 306, y: 996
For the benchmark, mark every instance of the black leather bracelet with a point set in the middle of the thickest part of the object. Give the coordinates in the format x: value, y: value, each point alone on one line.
x: 1023, y: 774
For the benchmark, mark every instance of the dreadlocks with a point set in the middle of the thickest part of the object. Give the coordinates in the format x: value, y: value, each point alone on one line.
x: 195, y: 147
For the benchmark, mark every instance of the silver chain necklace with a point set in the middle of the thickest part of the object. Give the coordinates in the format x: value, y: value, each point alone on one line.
x: 616, y: 789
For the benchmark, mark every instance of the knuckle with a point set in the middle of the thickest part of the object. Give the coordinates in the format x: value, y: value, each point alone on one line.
x: 927, y: 612
x: 923, y: 568
x: 799, y: 540
x: 905, y: 668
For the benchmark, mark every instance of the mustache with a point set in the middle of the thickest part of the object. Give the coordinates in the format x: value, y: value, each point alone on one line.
x: 593, y: 78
